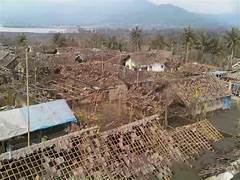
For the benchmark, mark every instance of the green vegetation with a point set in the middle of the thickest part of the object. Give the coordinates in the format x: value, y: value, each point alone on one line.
x: 59, y: 40
x: 21, y: 39
x: 219, y: 47
x: 158, y: 42
x: 232, y: 40
x: 136, y: 38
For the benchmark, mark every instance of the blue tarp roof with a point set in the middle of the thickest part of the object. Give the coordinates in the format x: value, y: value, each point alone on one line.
x: 14, y: 122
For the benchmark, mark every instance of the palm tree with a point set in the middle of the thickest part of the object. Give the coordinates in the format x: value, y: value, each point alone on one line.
x: 171, y: 43
x: 112, y: 43
x: 189, y: 39
x: 21, y: 39
x: 59, y: 39
x: 206, y: 44
x: 158, y: 43
x: 232, y: 40
x: 136, y: 37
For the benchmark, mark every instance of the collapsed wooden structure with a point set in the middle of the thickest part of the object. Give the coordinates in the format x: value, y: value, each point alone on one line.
x: 142, y: 149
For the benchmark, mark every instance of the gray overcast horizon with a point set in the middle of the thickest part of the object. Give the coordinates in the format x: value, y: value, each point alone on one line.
x: 198, y: 6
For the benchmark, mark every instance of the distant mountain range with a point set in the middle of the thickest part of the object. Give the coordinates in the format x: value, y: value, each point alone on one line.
x: 116, y: 14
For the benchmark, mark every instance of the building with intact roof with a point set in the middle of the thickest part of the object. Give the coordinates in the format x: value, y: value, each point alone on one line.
x: 14, y: 123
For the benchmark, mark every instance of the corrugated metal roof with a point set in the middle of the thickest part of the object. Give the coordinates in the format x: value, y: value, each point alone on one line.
x: 14, y: 122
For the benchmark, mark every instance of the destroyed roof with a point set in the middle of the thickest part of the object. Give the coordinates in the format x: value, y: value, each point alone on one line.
x: 150, y: 100
x: 144, y: 57
x: 88, y: 54
x: 151, y: 57
x: 7, y: 58
x: 127, y: 75
x: 148, y: 58
x: 233, y: 76
x: 84, y: 81
x: 192, y: 139
x: 196, y: 68
x: 140, y: 149
x: 14, y: 122
x: 203, y: 87
x: 91, y: 74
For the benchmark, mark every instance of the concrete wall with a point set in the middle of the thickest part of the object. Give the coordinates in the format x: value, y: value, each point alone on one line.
x: 157, y: 67
x: 211, y: 105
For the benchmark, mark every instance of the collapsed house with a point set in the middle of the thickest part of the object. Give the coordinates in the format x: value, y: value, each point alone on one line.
x: 80, y: 82
x: 76, y: 55
x: 14, y: 123
x: 8, y: 59
x: 193, y: 69
x: 91, y: 85
x: 149, y: 100
x: 84, y: 82
x: 233, y: 78
x: 202, y: 94
x: 155, y: 61
x: 142, y: 149
x: 41, y: 66
x: 95, y: 55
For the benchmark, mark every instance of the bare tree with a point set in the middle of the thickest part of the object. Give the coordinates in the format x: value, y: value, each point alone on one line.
x: 158, y: 43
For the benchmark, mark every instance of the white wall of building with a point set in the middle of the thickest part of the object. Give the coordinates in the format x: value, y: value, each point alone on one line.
x: 157, y: 67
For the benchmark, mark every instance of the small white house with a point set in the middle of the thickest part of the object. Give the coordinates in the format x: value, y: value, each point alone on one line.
x: 148, y: 61
x: 157, y: 67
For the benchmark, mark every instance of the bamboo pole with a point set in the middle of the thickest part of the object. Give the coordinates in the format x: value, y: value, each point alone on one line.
x: 137, y: 78
x: 166, y: 117
x: 27, y: 86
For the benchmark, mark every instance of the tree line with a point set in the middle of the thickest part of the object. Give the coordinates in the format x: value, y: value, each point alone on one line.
x: 191, y: 44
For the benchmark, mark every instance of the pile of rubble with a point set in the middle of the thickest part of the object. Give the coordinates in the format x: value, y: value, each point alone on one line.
x: 196, y: 68
x: 69, y: 55
x: 144, y: 58
x: 93, y: 74
x: 8, y: 58
x: 149, y: 100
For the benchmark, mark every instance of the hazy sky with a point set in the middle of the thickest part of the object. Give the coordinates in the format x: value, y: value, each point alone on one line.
x: 201, y: 6
x: 204, y: 6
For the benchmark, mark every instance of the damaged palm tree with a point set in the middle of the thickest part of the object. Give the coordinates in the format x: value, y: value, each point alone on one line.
x: 232, y: 39
x: 188, y: 41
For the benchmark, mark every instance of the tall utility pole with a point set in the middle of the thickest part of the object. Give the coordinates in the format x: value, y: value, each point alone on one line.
x: 27, y: 86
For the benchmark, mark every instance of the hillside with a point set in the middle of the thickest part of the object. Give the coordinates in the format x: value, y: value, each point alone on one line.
x: 124, y: 13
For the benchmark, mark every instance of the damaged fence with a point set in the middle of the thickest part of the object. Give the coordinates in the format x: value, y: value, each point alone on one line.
x: 142, y: 149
